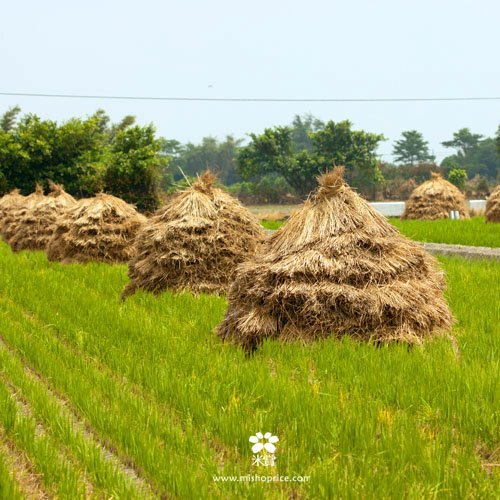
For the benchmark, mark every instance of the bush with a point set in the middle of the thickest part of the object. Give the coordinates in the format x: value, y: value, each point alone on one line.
x: 458, y: 177
x: 133, y: 169
x: 270, y: 189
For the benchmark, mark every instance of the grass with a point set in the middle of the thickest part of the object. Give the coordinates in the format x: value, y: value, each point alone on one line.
x: 8, y: 486
x: 474, y: 231
x: 140, y: 399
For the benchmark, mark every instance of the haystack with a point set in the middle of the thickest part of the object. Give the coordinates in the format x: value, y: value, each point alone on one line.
x: 95, y: 229
x: 336, y: 268
x: 492, y: 213
x: 9, y: 204
x: 12, y: 220
x: 434, y: 199
x: 194, y: 242
x: 34, y: 229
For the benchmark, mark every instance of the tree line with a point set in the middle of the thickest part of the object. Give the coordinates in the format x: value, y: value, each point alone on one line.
x: 85, y: 155
x: 278, y: 165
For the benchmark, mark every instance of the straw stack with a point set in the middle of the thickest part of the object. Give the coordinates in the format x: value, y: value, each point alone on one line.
x: 12, y: 220
x: 435, y: 199
x: 35, y: 227
x: 194, y: 242
x: 95, y: 229
x: 336, y: 268
x: 492, y: 213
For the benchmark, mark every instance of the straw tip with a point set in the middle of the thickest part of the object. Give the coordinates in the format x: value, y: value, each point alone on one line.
x: 55, y: 188
x: 332, y: 180
x: 436, y: 175
x: 205, y: 181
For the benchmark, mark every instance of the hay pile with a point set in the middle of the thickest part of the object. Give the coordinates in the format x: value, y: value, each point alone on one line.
x: 434, y: 199
x: 492, y: 213
x: 9, y: 204
x: 194, y: 242
x: 95, y: 229
x: 34, y: 229
x: 12, y: 220
x: 336, y: 268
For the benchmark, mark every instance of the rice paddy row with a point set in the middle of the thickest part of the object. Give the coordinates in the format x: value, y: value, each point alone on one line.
x: 473, y: 232
x: 140, y: 399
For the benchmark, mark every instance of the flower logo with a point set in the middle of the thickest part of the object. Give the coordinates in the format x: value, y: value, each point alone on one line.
x: 263, y: 442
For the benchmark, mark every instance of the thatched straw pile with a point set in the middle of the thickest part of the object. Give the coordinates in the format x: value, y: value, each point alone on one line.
x: 95, y: 229
x: 492, y: 213
x: 12, y: 220
x: 34, y: 229
x: 194, y: 242
x: 434, y: 199
x: 9, y: 204
x: 336, y: 268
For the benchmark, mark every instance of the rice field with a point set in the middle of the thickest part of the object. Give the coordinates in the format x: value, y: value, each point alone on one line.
x: 138, y: 399
x: 473, y: 232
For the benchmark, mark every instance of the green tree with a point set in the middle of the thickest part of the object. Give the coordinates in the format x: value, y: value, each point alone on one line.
x: 412, y: 148
x: 458, y: 177
x: 302, y: 128
x: 334, y: 144
x: 134, y: 166
x: 8, y: 119
x: 37, y: 150
x: 193, y: 159
x: 78, y: 156
x: 126, y: 122
x: 84, y: 155
x: 29, y: 153
x: 464, y: 141
x: 483, y: 160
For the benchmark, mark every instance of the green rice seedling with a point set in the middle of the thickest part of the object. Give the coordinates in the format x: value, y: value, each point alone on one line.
x: 9, y: 489
x: 58, y: 475
x: 473, y: 232
x: 154, y: 383
x: 104, y: 474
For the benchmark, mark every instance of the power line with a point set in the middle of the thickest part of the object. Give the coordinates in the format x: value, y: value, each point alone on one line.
x: 249, y: 99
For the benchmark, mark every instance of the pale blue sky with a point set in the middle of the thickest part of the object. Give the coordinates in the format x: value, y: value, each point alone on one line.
x: 282, y: 49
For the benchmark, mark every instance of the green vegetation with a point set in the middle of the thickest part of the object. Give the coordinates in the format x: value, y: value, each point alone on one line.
x: 275, y: 152
x: 476, y: 154
x: 8, y: 487
x: 85, y: 155
x: 412, y: 148
x: 473, y: 231
x: 458, y: 177
x: 278, y: 165
x: 272, y: 224
x: 140, y: 398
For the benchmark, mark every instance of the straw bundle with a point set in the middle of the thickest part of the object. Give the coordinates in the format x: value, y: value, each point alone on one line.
x: 336, y: 268
x: 9, y: 204
x: 34, y: 229
x: 195, y: 242
x: 492, y: 213
x: 12, y: 220
x: 434, y: 199
x: 95, y: 229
